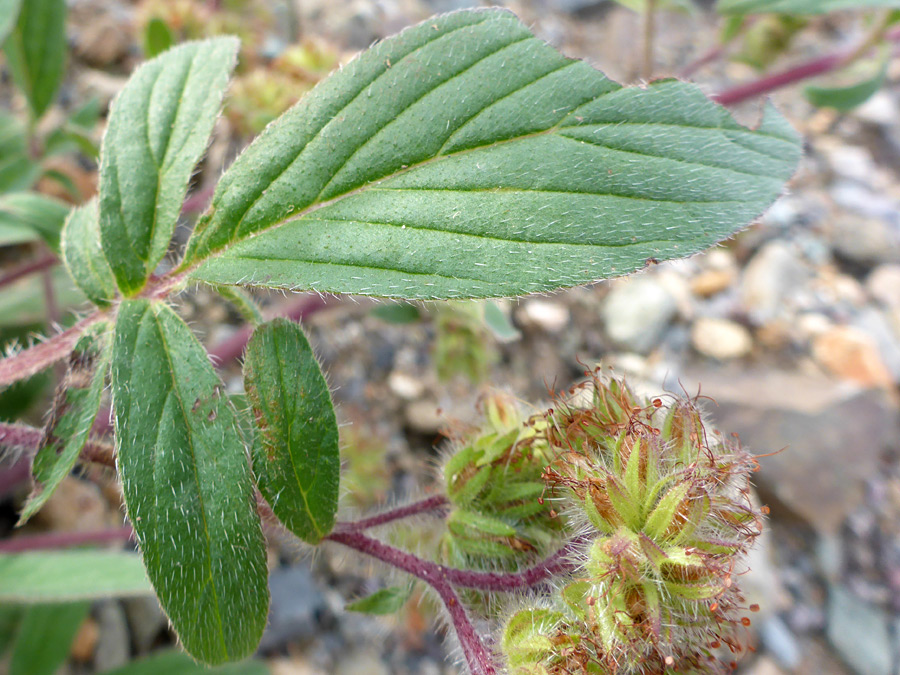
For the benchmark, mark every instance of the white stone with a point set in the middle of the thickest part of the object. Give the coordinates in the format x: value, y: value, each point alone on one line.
x: 721, y: 339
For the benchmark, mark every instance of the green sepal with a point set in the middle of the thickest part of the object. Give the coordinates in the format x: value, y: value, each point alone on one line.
x: 73, y: 414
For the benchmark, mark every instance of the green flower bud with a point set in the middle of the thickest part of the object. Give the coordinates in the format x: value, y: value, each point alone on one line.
x: 666, y: 500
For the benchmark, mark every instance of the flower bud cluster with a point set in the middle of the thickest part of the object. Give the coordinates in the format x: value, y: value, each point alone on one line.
x: 664, y: 501
x: 494, y: 482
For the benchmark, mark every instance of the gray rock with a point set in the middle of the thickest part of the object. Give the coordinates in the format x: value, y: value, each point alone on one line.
x: 636, y: 313
x: 113, y: 647
x: 883, y: 284
x: 145, y: 620
x: 860, y: 633
x: 780, y: 641
x: 769, y: 279
x: 296, y: 607
x: 866, y: 240
x: 827, y: 437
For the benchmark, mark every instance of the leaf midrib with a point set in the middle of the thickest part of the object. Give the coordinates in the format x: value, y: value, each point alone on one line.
x: 177, y: 394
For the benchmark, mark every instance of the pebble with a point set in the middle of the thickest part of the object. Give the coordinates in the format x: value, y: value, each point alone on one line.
x: 769, y: 279
x: 636, y: 313
x: 548, y: 316
x: 710, y: 282
x: 781, y: 642
x: 720, y: 338
x: 865, y: 241
x: 406, y: 386
x: 881, y: 109
x: 113, y: 647
x: 859, y: 632
x: 883, y: 284
x: 847, y: 352
x: 362, y: 663
x: 146, y: 621
x: 424, y: 416
x: 296, y: 606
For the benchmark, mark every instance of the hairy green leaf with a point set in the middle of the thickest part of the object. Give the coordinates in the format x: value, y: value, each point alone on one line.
x: 799, y: 6
x: 45, y: 636
x: 36, y: 52
x: 847, y: 98
x: 297, y: 458
x: 173, y: 662
x: 187, y: 484
x: 62, y: 576
x: 73, y: 415
x: 27, y: 216
x: 384, y: 601
x: 84, y: 257
x: 158, y: 129
x: 9, y: 12
x: 466, y: 158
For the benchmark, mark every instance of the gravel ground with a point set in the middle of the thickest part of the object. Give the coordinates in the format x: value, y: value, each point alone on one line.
x: 793, y: 328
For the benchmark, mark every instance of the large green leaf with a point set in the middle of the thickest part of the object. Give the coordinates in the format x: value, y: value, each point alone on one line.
x: 28, y: 216
x: 73, y: 415
x: 158, y: 129
x: 467, y: 158
x: 64, y: 576
x: 296, y: 459
x: 45, y: 636
x: 799, y: 6
x: 84, y: 257
x: 36, y: 52
x: 187, y: 485
x: 9, y: 12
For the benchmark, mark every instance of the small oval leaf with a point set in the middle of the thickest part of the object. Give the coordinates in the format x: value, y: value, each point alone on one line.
x: 296, y: 458
x: 158, y: 129
x: 84, y: 257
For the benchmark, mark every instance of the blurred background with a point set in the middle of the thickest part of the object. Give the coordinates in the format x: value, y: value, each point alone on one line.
x: 792, y: 329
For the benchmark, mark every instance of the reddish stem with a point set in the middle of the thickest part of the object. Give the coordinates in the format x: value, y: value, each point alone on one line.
x: 429, y: 505
x: 769, y: 83
x: 27, y: 268
x: 477, y: 655
x: 58, y: 540
x: 29, y: 439
x: 295, y: 310
x: 805, y: 71
x: 34, y: 359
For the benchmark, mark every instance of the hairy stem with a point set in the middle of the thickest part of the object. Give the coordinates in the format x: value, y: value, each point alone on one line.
x: 44, y: 354
x: 428, y: 505
x: 477, y: 655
